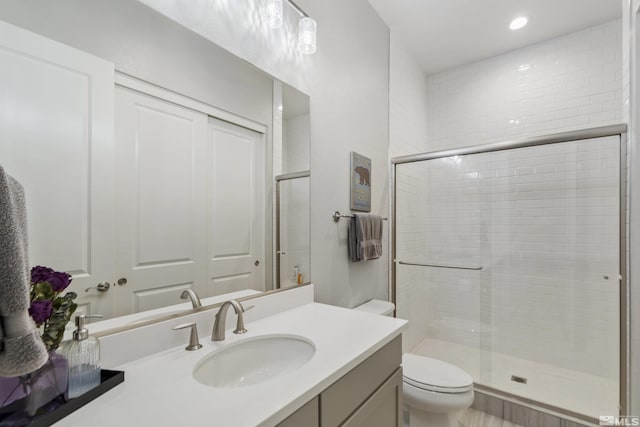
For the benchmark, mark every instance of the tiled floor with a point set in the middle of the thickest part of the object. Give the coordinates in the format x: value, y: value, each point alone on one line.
x: 515, y: 413
x: 474, y: 418
x: 571, y: 390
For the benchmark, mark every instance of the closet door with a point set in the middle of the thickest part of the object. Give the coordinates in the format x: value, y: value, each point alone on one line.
x: 236, y: 206
x: 162, y: 205
x: 56, y: 121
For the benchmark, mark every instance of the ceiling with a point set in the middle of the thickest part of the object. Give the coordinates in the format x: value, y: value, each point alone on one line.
x: 443, y: 34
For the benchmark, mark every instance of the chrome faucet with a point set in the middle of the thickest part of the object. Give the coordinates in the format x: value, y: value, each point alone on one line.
x: 195, y: 300
x: 221, y: 316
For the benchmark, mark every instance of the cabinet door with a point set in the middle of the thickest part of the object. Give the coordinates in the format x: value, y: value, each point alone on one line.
x: 56, y: 126
x: 347, y: 394
x: 307, y: 416
x: 383, y: 408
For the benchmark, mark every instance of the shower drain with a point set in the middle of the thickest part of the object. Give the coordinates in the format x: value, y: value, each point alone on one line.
x: 517, y: 379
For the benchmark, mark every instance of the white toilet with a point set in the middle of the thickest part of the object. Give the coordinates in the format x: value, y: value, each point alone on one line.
x: 436, y: 393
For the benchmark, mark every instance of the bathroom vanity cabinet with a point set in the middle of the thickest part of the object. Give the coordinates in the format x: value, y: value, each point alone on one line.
x: 368, y: 395
x: 352, y: 379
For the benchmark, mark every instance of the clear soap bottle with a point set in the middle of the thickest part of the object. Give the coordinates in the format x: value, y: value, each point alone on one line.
x: 83, y: 355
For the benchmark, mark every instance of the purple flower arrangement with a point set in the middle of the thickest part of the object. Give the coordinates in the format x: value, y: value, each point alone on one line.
x: 49, y: 308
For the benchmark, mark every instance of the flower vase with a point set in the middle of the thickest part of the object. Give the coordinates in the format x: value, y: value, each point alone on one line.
x: 26, y: 394
x: 47, y: 383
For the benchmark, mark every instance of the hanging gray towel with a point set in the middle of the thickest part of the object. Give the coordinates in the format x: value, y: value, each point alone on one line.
x: 21, y: 348
x: 353, y: 240
x: 365, y: 237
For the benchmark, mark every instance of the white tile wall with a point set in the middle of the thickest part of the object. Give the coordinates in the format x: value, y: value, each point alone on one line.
x: 567, y: 83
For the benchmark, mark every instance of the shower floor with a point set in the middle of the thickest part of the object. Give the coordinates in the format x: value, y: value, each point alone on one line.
x: 570, y: 390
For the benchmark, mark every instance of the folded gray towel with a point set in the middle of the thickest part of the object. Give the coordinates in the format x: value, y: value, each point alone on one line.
x: 365, y: 237
x: 369, y: 233
x: 21, y: 348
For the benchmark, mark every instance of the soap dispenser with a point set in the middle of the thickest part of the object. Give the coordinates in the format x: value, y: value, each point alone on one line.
x: 83, y: 355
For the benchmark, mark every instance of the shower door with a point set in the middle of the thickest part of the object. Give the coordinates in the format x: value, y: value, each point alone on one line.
x: 508, y: 264
x: 292, y: 230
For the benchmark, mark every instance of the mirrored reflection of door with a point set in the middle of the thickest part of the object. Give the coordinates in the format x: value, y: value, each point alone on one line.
x: 293, y: 264
x: 190, y: 203
x: 56, y: 111
x: 236, y: 209
x: 161, y: 185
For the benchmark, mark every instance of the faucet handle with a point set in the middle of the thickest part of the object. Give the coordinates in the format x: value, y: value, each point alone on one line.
x: 240, y: 329
x: 194, y: 343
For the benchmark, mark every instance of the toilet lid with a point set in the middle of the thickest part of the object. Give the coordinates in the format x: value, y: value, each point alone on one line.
x: 434, y: 375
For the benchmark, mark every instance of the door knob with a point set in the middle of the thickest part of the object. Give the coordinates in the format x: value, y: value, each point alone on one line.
x: 257, y: 263
x: 122, y: 281
x: 102, y: 287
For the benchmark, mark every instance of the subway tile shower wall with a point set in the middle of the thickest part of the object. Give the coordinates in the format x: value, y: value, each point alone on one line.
x: 567, y: 83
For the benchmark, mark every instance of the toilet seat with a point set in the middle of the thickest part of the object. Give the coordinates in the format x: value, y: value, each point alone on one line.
x: 434, y: 375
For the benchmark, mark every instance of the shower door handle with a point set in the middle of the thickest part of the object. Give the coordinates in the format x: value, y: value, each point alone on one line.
x: 459, y: 267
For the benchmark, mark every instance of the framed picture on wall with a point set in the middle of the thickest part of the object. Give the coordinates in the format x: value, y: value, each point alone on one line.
x: 360, y: 175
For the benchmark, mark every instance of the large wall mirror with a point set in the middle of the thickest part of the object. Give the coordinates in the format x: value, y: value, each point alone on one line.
x: 151, y: 158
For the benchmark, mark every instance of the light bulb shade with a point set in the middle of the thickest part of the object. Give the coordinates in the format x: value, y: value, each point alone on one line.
x: 307, y: 35
x: 272, y: 13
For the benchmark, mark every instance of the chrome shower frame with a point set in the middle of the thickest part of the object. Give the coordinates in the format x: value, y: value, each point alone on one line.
x: 572, y: 136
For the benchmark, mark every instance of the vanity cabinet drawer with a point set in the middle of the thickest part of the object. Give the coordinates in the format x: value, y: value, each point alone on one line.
x: 342, y: 398
x: 307, y: 416
x: 383, y: 409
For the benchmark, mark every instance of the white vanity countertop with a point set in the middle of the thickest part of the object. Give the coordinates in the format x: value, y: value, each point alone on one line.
x: 160, y: 390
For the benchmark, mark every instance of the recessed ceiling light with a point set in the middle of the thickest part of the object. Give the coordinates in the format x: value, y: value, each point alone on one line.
x: 518, y: 23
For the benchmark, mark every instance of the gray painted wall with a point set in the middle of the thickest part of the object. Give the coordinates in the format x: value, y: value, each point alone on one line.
x: 145, y: 44
x: 349, y: 89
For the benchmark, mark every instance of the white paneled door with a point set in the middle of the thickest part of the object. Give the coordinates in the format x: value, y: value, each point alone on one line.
x: 56, y: 115
x: 190, y: 210
x: 161, y: 187
x: 236, y: 208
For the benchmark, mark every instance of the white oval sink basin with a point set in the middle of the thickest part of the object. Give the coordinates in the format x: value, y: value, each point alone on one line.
x: 253, y: 361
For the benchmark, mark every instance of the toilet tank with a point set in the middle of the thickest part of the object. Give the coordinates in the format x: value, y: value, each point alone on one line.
x: 376, y: 306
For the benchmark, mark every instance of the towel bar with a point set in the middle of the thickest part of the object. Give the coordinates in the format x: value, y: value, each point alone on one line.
x: 337, y: 215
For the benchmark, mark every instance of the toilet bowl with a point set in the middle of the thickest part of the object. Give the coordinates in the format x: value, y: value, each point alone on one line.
x: 436, y: 393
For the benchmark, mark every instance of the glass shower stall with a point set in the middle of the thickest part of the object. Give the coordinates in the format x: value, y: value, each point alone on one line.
x: 292, y: 259
x: 509, y: 261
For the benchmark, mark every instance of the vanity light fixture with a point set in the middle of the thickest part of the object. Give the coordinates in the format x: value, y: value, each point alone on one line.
x: 518, y: 23
x: 272, y: 13
x: 306, y: 31
x: 307, y: 35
